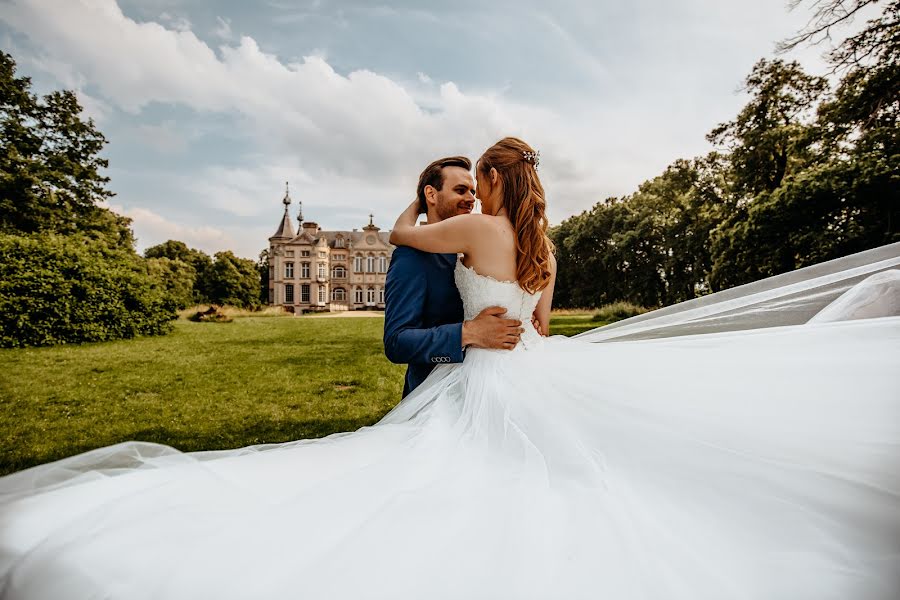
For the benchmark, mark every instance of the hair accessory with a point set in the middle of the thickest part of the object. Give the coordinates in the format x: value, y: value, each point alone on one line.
x: 533, y: 157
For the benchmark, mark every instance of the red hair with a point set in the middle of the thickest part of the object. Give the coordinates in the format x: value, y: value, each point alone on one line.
x: 523, y: 199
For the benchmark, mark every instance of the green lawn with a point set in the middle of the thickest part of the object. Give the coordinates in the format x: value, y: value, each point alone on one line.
x: 571, y: 324
x: 205, y: 386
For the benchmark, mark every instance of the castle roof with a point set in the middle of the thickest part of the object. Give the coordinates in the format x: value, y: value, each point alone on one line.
x: 285, y: 229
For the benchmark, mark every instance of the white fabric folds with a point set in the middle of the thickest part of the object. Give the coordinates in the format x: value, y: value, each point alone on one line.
x: 761, y: 463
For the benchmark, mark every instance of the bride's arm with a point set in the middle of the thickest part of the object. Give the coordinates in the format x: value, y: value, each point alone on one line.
x: 542, y: 311
x: 456, y: 234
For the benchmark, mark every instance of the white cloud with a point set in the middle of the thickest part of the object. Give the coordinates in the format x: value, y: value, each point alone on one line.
x: 177, y: 23
x: 360, y: 126
x: 355, y: 142
x: 151, y: 228
x: 223, y: 29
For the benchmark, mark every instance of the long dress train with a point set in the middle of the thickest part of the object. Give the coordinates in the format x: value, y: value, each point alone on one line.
x: 757, y: 464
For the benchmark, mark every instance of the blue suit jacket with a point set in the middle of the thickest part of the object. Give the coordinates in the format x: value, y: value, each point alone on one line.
x: 423, y: 313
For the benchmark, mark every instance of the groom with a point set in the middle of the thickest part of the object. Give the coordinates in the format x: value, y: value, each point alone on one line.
x: 423, y: 317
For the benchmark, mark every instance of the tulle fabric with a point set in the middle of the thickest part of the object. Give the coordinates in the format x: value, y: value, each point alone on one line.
x: 788, y: 299
x: 761, y: 464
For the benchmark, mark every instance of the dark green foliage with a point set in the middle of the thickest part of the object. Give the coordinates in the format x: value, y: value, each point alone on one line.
x: 58, y: 289
x: 68, y: 269
x: 769, y: 140
x: 224, y: 279
x: 50, y: 164
x: 649, y: 248
x: 617, y: 311
x: 198, y: 263
x: 231, y: 280
x: 176, y: 277
x: 805, y: 175
x: 262, y: 266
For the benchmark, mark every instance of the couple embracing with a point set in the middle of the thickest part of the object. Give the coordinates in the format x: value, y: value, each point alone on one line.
x: 757, y: 464
x: 424, y: 323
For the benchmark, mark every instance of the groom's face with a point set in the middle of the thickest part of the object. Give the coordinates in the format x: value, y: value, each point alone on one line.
x: 457, y: 194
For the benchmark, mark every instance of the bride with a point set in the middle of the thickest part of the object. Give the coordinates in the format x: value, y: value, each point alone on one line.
x: 757, y: 464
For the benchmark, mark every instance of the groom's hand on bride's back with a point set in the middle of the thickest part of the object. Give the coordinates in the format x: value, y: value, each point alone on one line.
x: 490, y: 330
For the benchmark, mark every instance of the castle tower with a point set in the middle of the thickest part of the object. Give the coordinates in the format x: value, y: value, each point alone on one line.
x: 285, y: 229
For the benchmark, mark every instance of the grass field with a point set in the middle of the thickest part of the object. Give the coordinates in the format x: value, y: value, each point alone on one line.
x: 205, y: 386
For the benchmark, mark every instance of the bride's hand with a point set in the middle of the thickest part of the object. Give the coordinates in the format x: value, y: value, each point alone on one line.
x: 537, y: 325
x: 408, y: 217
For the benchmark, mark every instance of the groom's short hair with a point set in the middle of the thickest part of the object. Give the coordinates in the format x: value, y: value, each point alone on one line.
x: 433, y: 175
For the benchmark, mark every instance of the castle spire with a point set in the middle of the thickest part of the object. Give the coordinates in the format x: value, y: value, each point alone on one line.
x: 285, y: 229
x: 371, y: 226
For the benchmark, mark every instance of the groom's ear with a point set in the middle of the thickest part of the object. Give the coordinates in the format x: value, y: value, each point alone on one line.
x: 430, y: 195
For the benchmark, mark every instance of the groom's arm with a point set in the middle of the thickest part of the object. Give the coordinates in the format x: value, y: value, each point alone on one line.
x: 406, y: 339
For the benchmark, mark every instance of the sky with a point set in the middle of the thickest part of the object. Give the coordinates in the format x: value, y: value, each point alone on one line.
x: 210, y: 106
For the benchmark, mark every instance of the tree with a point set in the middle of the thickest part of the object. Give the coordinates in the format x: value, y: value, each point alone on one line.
x: 768, y: 140
x: 262, y: 266
x: 232, y: 280
x: 49, y: 158
x: 176, y: 277
x: 57, y: 289
x: 867, y: 45
x: 768, y: 143
x: 843, y: 194
x: 68, y: 269
x: 199, y: 261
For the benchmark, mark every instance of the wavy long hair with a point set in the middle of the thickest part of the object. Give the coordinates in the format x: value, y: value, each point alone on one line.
x: 523, y: 198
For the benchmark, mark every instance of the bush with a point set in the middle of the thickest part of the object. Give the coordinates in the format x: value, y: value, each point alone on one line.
x: 176, y: 277
x: 57, y: 289
x: 231, y: 280
x: 210, y: 315
x: 617, y: 311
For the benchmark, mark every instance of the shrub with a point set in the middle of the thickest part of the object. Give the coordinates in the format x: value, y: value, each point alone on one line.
x: 617, y: 311
x: 57, y: 289
x: 210, y: 315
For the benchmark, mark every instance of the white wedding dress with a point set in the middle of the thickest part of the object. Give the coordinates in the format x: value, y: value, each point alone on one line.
x: 760, y: 464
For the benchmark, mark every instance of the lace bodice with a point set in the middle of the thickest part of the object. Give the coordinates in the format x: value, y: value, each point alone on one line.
x: 481, y: 291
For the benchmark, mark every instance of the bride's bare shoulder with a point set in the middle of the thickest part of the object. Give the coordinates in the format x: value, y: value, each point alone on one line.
x: 499, y: 224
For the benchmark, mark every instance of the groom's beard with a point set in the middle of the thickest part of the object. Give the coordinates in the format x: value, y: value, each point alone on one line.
x: 445, y: 211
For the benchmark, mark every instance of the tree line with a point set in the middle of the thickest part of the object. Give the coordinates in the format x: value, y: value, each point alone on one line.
x: 804, y: 173
x: 68, y: 268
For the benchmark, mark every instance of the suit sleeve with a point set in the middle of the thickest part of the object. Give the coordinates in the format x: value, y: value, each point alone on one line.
x: 406, y: 340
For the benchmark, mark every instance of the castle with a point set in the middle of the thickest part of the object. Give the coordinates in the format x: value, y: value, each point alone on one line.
x: 317, y: 270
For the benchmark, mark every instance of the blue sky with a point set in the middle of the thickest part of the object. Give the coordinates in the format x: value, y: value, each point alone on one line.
x: 209, y: 107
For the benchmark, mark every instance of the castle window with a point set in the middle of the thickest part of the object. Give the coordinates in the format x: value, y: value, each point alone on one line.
x: 304, y: 293
x: 339, y: 272
x: 321, y: 271
x: 339, y: 242
x: 321, y: 294
x: 370, y: 296
x: 370, y: 264
x: 322, y: 254
x: 338, y: 294
x: 289, y: 270
x: 358, y: 296
x: 289, y: 293
x: 358, y: 263
x: 381, y: 296
x: 382, y: 264
x: 304, y: 253
x: 304, y: 270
